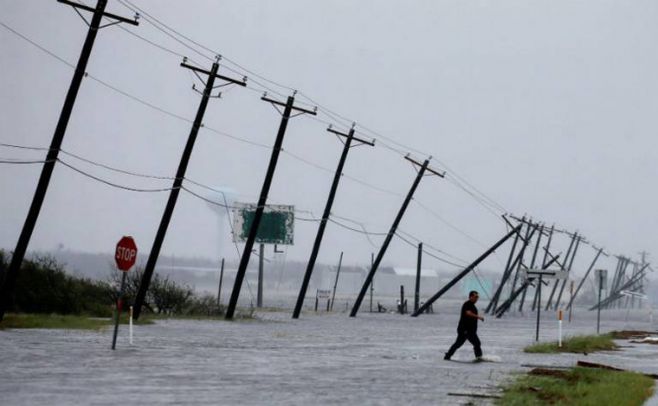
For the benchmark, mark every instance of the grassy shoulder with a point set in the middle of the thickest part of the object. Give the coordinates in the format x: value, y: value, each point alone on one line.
x: 86, y: 322
x: 59, y: 321
x: 578, y: 386
x: 575, y: 344
x: 53, y: 321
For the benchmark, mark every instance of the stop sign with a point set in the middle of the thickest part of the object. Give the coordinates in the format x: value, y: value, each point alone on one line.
x: 126, y: 253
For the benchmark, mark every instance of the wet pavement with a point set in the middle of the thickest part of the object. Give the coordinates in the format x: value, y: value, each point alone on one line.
x: 376, y: 359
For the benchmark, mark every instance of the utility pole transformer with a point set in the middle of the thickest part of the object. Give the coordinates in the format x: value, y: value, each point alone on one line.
x: 180, y: 175
x: 349, y: 137
x: 262, y: 200
x: 7, y: 289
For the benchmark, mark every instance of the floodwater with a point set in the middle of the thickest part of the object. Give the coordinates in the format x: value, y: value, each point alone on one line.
x: 322, y: 358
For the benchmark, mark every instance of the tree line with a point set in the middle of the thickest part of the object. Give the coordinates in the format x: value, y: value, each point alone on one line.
x: 44, y: 286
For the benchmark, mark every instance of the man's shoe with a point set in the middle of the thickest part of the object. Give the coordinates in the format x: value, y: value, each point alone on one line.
x: 446, y: 357
x: 478, y: 359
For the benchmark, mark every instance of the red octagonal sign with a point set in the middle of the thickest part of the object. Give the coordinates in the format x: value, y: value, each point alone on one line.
x: 126, y: 253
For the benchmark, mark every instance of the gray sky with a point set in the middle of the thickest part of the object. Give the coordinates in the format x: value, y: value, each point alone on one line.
x: 546, y: 107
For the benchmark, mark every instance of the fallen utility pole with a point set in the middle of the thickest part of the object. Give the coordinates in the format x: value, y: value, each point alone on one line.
x: 347, y: 144
x: 262, y: 200
x: 466, y: 270
x: 423, y: 167
x: 613, y: 296
x: 11, y: 274
x: 180, y: 175
x: 582, y: 281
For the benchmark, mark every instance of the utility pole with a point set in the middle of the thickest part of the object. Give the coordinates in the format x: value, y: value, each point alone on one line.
x: 564, y: 268
x: 543, y: 262
x: 180, y: 175
x: 493, y: 303
x: 288, y: 107
x: 580, y: 285
x: 349, y: 137
x: 11, y: 274
x: 643, y: 256
x: 259, y: 294
x: 333, y: 295
x: 564, y: 282
x: 219, y: 290
x: 508, y: 303
x: 418, y: 268
x: 372, y: 282
x: 532, y: 228
x: 423, y: 167
x: 532, y: 265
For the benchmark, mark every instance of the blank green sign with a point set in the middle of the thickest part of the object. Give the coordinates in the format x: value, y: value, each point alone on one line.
x: 275, y: 227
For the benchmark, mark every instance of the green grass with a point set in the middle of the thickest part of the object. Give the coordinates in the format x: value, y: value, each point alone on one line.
x: 579, y: 386
x: 53, y: 321
x: 58, y: 321
x: 576, y: 344
x: 85, y: 322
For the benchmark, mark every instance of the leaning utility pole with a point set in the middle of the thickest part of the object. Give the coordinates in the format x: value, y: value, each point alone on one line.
x: 580, y: 285
x: 262, y: 200
x: 11, y: 274
x: 219, y: 289
x: 508, y: 303
x: 418, y: 270
x: 349, y: 137
x: 532, y: 228
x: 564, y: 282
x: 543, y: 262
x: 424, y: 167
x: 564, y: 268
x: 180, y: 175
x: 532, y: 265
x: 333, y: 294
x: 493, y: 303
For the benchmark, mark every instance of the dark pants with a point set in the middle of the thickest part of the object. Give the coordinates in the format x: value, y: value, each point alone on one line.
x: 462, y: 336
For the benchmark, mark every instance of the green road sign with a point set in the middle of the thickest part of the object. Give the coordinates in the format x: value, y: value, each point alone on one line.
x: 276, y: 226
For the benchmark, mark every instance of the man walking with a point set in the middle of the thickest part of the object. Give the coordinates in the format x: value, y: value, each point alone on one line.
x: 467, y: 328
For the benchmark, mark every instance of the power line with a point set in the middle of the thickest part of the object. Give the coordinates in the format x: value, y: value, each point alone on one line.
x: 13, y: 161
x: 254, y: 143
x: 428, y: 253
x: 483, y: 199
x: 363, y: 230
x: 115, y: 185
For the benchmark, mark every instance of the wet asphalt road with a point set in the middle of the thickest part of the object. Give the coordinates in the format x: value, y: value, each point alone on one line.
x: 378, y: 359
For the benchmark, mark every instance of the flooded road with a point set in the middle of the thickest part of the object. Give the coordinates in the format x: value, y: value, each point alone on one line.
x: 322, y: 358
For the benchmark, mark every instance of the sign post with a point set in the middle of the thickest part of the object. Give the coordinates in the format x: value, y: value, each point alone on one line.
x: 539, y: 275
x: 125, y: 257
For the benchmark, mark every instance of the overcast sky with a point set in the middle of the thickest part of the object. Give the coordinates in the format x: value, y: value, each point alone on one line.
x: 545, y: 107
